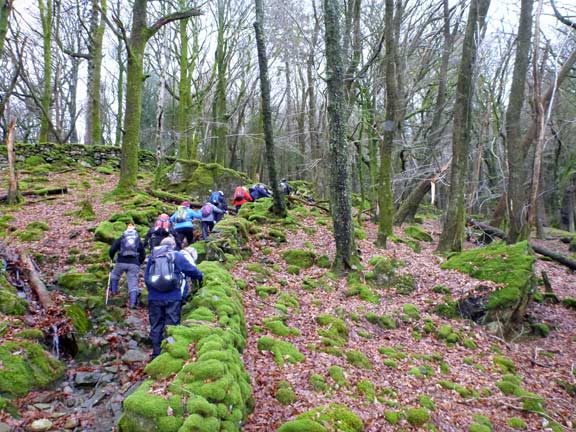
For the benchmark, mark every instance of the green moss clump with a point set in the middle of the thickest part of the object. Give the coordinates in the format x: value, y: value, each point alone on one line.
x: 80, y: 320
x: 108, y: 232
x: 283, y: 351
x: 318, y: 383
x: 448, y: 309
x: 302, y: 425
x: 441, y: 289
x: 417, y: 233
x: 569, y: 302
x: 366, y: 389
x: 505, y: 364
x: 76, y: 281
x: 392, y: 353
x: 427, y: 402
x: 293, y: 270
x: 335, y: 331
x: 277, y: 326
x: 384, y: 321
x: 411, y: 311
x: 10, y: 302
x: 444, y: 331
x: 417, y: 416
x: 510, y: 265
x: 405, y: 284
x: 358, y: 359
x: 257, y: 268
x: 479, y: 427
x: 469, y: 343
x: 285, y: 393
x: 300, y: 258
x: 331, y: 417
x: 86, y: 211
x: 323, y: 262
x: 337, y: 374
x: 392, y: 417
x: 264, y: 291
x: 517, y: 423
x: 541, y: 329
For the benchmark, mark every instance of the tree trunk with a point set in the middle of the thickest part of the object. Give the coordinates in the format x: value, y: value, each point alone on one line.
x: 219, y: 106
x: 516, y: 190
x: 160, y: 107
x: 184, y: 93
x: 93, y: 119
x: 279, y: 207
x: 452, y: 236
x: 45, y: 8
x: 340, y: 193
x: 13, y: 194
x: 35, y: 281
x: 5, y: 8
x: 120, y: 91
x: 386, y: 197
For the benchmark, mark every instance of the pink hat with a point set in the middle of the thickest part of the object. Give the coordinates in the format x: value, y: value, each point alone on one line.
x: 186, y: 204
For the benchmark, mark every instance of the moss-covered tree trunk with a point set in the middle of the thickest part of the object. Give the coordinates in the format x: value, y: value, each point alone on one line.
x: 5, y: 8
x: 279, y: 206
x: 13, y: 196
x: 139, y: 35
x: 184, y: 93
x: 45, y: 9
x: 340, y: 190
x: 516, y: 196
x: 219, y: 106
x: 386, y: 198
x: 452, y: 236
x: 315, y: 151
x: 93, y: 118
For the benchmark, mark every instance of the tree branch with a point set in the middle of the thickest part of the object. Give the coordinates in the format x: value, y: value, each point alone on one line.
x: 172, y: 17
x: 562, y: 18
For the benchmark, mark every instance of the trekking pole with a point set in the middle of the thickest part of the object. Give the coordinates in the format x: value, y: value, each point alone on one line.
x: 108, y: 287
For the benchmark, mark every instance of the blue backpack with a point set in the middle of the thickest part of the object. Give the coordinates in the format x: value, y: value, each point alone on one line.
x: 215, y: 198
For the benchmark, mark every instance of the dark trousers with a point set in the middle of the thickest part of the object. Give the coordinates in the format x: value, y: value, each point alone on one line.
x: 186, y: 233
x: 207, y: 228
x: 162, y: 313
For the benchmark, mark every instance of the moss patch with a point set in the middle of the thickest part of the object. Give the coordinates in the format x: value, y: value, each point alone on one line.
x: 300, y: 258
x: 417, y: 233
x: 332, y: 417
x: 283, y: 351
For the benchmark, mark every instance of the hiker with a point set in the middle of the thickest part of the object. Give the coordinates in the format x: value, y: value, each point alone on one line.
x: 131, y: 255
x: 241, y: 197
x: 259, y: 191
x: 161, y: 229
x: 285, y: 187
x: 182, y: 220
x: 208, y: 212
x: 165, y: 278
x: 218, y: 199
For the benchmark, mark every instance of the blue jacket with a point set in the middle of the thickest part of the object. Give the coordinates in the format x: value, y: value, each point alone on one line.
x: 190, y: 214
x: 258, y: 192
x: 182, y: 265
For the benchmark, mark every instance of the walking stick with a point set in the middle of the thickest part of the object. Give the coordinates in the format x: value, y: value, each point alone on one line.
x: 108, y: 287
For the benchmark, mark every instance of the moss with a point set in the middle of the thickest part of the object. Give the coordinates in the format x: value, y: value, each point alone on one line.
x: 318, y: 383
x: 392, y: 417
x: 264, y: 291
x: 355, y: 288
x: 358, y: 359
x: 384, y: 321
x: 417, y: 233
x: 441, y: 289
x: 285, y: 393
x: 277, y: 326
x: 323, y: 262
x: 391, y: 363
x: 541, y: 329
x: 479, y: 427
x: 417, y: 416
x: 335, y: 417
x: 303, y: 425
x: 427, y: 402
x: 10, y: 302
x: 76, y: 281
x: 283, y: 351
x: 469, y: 343
x: 257, y: 268
x: 405, y: 284
x: 510, y: 265
x: 335, y: 331
x: 392, y: 353
x: 517, y: 423
x: 337, y: 374
x: 444, y: 331
x: 30, y: 334
x: 367, y: 390
x: 79, y: 318
x: 448, y: 309
x: 531, y: 401
x: 29, y: 235
x: 411, y: 311
x: 108, y: 232
x: 569, y: 303
x: 461, y: 390
x: 478, y: 418
x: 26, y: 366
x: 505, y: 364
x: 300, y: 258
x: 277, y: 235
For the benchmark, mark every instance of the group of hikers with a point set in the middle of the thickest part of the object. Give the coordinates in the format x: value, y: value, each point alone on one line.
x: 172, y: 258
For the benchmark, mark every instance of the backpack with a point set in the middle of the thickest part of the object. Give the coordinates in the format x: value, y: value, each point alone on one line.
x: 162, y: 224
x: 129, y: 243
x: 215, y: 198
x: 181, y: 214
x: 161, y: 274
x: 239, y: 194
x: 206, y: 210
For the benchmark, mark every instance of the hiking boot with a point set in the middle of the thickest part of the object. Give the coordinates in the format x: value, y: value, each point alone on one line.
x: 134, y: 296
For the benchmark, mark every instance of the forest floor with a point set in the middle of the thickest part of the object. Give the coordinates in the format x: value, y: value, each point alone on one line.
x: 415, y: 365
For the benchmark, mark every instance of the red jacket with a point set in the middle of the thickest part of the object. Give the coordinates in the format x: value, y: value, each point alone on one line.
x: 238, y: 201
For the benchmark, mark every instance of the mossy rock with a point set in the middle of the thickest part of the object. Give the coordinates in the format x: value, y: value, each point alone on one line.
x: 285, y: 393
x: 383, y: 270
x: 505, y: 364
x: 411, y: 311
x: 80, y: 320
x: 78, y: 281
x: 318, y: 383
x: 334, y: 332
x: 510, y: 265
x: 277, y: 235
x: 517, y: 423
x: 283, y: 351
x: 417, y: 233
x: 26, y: 366
x: 331, y: 417
x: 108, y: 232
x: 367, y: 390
x: 300, y: 258
x: 10, y: 302
x: 338, y: 376
x: 417, y: 416
x: 358, y: 359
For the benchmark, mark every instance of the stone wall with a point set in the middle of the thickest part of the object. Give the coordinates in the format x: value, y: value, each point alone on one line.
x: 89, y: 156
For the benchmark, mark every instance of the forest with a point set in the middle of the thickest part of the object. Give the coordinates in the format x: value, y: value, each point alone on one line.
x: 418, y: 276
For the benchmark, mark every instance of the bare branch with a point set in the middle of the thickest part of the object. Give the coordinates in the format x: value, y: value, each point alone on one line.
x: 172, y: 17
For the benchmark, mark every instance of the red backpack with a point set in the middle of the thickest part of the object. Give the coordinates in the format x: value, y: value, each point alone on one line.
x: 239, y: 194
x: 162, y: 222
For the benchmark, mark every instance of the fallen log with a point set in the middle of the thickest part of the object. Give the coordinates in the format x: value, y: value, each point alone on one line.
x: 40, y: 192
x: 35, y: 281
x: 495, y: 232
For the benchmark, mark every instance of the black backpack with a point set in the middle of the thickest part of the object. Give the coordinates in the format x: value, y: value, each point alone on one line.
x: 130, y: 243
x: 161, y: 274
